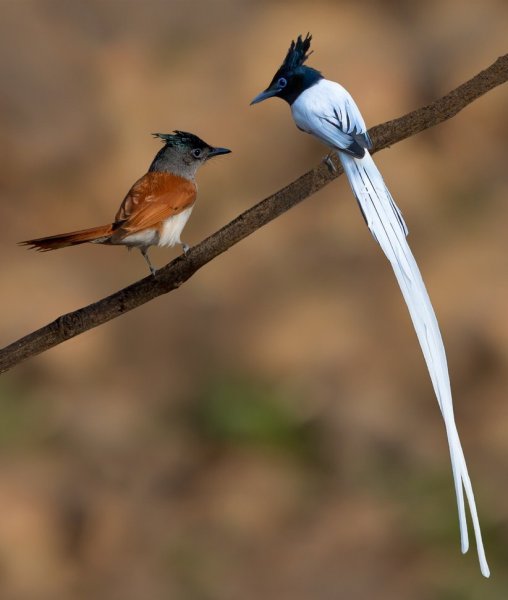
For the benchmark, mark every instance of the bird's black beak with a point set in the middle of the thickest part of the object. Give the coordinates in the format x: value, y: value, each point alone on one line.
x: 269, y: 93
x: 217, y: 151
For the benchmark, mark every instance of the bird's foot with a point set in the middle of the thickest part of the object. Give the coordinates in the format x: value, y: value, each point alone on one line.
x: 329, y: 162
x: 185, y: 247
x: 144, y: 252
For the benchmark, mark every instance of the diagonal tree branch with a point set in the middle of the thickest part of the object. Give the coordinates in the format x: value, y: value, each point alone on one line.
x: 174, y: 274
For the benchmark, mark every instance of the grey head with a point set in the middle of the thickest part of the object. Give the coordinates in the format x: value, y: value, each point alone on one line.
x: 183, y: 153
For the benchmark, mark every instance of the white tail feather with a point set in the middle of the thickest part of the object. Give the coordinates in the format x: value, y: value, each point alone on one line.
x: 388, y: 228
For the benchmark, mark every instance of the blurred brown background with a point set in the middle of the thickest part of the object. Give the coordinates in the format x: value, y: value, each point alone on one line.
x: 269, y: 430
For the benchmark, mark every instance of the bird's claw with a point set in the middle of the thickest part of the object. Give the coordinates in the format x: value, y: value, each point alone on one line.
x: 329, y: 163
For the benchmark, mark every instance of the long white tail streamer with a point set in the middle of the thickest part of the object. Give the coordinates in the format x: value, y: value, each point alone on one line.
x: 387, y: 226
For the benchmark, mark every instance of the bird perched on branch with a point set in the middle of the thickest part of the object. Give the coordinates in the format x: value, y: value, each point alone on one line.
x: 158, y: 205
x: 326, y: 110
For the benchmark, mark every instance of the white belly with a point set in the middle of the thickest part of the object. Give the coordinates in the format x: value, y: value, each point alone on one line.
x: 172, y: 228
x: 145, y: 238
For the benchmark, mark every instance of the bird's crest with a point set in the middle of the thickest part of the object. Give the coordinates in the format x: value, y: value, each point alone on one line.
x: 180, y: 138
x: 297, y: 53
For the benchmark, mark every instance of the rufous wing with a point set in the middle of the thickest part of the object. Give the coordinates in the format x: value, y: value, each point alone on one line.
x: 153, y: 199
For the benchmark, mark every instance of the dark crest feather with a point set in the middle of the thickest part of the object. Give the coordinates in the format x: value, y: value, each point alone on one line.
x: 179, y: 138
x: 297, y: 53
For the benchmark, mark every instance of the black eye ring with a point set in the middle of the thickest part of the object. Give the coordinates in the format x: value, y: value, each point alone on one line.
x: 282, y: 83
x: 196, y: 153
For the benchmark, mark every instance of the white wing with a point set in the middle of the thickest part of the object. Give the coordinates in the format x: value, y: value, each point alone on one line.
x: 329, y: 112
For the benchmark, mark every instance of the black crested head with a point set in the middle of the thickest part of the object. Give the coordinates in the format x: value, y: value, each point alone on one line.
x: 183, y: 153
x: 297, y: 53
x: 181, y: 139
x: 292, y: 77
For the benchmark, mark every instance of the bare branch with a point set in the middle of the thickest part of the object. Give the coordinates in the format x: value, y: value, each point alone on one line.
x: 182, y: 268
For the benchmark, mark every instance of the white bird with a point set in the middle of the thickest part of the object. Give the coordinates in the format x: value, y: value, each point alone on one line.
x: 326, y: 110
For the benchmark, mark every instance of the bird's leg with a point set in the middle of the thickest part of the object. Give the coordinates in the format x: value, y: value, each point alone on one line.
x: 144, y: 252
x: 185, y: 247
x: 329, y: 162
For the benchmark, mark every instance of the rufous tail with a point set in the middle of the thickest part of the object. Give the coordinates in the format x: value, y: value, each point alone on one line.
x: 53, y: 242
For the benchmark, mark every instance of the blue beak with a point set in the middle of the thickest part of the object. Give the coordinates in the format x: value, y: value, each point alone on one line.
x: 217, y: 151
x: 270, y: 93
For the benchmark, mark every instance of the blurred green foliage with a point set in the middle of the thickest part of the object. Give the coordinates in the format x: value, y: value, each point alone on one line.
x: 20, y: 416
x: 242, y: 410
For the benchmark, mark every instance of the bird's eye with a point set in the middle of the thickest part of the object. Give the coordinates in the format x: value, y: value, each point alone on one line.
x: 282, y: 83
x: 196, y: 153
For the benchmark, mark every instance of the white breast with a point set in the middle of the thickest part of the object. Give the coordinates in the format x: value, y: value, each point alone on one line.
x: 172, y: 228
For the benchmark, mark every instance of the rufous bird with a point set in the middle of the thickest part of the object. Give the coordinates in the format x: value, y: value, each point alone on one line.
x: 158, y: 205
